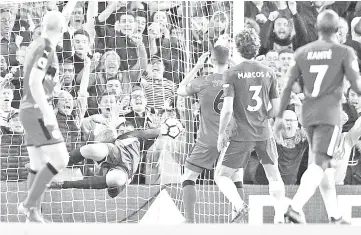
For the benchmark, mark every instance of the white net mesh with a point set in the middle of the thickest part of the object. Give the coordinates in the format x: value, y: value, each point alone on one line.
x: 178, y: 33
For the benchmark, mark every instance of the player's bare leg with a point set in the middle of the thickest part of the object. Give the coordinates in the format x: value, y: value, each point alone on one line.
x: 276, y: 190
x: 96, y: 152
x: 237, y: 179
x: 328, y: 192
x: 57, y: 160
x: 114, y: 180
x: 310, y: 180
x: 37, y: 161
x: 223, y: 178
x: 189, y: 194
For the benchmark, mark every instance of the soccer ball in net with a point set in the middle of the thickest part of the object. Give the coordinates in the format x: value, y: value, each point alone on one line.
x: 171, y: 127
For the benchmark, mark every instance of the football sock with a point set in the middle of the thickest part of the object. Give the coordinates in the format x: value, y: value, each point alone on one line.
x: 229, y: 190
x: 240, y: 189
x: 94, y: 182
x: 75, y: 156
x: 328, y: 192
x: 189, y: 199
x: 30, y: 181
x: 277, y: 191
x: 42, y: 178
x: 310, y: 180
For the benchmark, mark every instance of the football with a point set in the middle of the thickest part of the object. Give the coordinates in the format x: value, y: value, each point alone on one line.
x: 171, y: 127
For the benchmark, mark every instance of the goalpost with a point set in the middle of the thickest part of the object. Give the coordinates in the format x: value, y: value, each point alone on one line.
x: 159, y: 197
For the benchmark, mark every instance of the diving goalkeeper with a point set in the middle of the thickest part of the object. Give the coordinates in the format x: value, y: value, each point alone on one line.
x: 118, y: 161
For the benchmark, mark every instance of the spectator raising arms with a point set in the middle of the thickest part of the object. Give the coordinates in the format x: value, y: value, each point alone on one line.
x: 108, y: 69
x: 120, y: 37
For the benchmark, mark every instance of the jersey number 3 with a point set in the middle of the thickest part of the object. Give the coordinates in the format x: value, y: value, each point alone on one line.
x: 256, y: 97
x: 321, y: 72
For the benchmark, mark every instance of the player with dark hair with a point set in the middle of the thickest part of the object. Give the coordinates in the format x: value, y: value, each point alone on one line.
x: 210, y: 92
x: 322, y: 65
x: 118, y: 160
x: 45, y: 144
x: 249, y: 88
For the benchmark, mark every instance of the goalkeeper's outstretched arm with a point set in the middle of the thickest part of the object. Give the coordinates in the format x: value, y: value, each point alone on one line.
x: 145, y: 135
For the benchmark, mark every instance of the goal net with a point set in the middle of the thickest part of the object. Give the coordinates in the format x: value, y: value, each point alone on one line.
x: 155, y: 193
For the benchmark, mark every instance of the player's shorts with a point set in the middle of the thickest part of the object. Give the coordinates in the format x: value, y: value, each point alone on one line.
x: 239, y: 152
x: 202, y: 157
x: 323, y: 138
x: 36, y: 133
x: 125, y: 158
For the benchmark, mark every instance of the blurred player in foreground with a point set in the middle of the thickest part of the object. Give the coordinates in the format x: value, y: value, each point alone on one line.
x: 47, y: 151
x: 118, y: 161
x: 249, y: 88
x: 322, y: 65
x: 204, y: 154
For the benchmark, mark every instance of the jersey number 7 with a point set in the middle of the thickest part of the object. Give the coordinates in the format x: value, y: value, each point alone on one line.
x: 321, y: 72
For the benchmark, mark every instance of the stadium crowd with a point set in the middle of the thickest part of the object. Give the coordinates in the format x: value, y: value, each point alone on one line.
x: 121, y: 63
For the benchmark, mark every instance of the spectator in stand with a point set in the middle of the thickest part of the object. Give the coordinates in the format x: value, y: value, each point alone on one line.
x: 350, y: 135
x: 103, y: 127
x: 121, y: 37
x: 114, y: 86
x: 10, y: 40
x: 13, y: 125
x: 3, y: 66
x: 353, y: 101
x: 6, y: 97
x: 344, y: 38
x: 18, y: 74
x: 178, y: 56
x: 75, y: 18
x: 272, y: 60
x: 13, y: 153
x: 258, y: 10
x: 108, y: 69
x: 140, y: 29
x: 69, y: 112
x: 284, y: 29
x: 81, y: 46
x: 159, y: 92
x: 67, y: 76
x: 34, y: 11
x: 285, y: 58
x: 141, y: 23
x: 163, y: 44
x: 140, y: 116
x: 218, y: 25
x: 291, y: 148
x: 309, y: 11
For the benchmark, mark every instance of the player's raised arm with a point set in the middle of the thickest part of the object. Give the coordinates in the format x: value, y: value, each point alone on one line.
x: 52, y: 29
x: 186, y: 88
x: 352, y: 70
x: 293, y: 74
x: 227, y: 110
